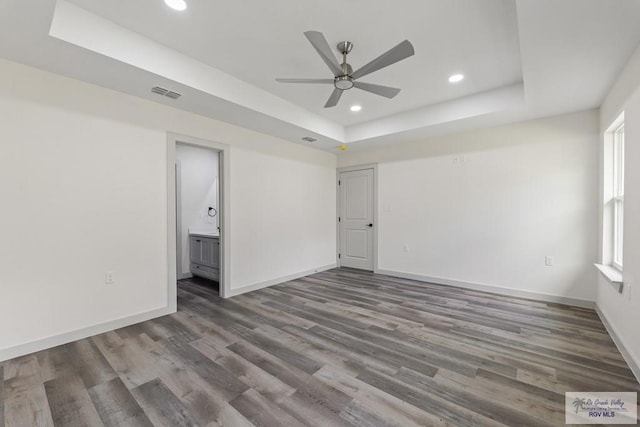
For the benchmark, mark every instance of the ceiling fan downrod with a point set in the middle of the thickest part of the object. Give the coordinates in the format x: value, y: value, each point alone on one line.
x: 344, y: 81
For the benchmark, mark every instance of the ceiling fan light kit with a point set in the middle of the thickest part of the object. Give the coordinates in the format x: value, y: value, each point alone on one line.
x: 343, y: 82
x: 344, y: 76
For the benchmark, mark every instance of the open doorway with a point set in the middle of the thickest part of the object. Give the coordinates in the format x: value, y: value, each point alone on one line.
x: 197, y: 204
x: 197, y: 219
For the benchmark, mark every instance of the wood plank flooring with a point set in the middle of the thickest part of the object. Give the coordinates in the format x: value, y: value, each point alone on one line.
x: 338, y: 348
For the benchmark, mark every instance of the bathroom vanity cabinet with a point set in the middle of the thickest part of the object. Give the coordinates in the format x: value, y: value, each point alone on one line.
x: 205, y: 256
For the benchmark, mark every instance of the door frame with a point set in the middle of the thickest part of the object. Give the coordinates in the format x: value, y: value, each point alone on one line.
x: 179, y: 276
x: 224, y: 213
x: 373, y: 166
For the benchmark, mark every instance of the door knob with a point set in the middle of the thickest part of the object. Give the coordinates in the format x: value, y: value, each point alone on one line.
x: 369, y: 225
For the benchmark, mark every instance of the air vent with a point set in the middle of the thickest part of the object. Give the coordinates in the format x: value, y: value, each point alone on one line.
x: 165, y: 92
x: 159, y: 90
x: 309, y: 139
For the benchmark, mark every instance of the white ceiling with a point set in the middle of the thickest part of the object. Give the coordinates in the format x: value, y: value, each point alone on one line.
x: 522, y: 59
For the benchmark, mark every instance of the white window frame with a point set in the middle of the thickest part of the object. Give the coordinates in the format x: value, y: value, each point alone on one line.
x: 617, y: 219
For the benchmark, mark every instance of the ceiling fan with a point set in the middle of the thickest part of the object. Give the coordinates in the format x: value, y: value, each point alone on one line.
x: 344, y: 76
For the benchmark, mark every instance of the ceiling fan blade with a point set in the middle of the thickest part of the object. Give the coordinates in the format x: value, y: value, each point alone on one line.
x: 334, y: 98
x: 386, y: 91
x: 393, y: 55
x: 322, y: 47
x: 305, y: 81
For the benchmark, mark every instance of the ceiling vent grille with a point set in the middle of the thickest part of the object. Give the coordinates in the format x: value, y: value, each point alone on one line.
x: 159, y: 90
x: 165, y: 92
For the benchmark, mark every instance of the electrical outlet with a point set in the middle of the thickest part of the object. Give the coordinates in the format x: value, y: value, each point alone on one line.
x: 548, y: 261
x: 108, y: 278
x: 405, y: 248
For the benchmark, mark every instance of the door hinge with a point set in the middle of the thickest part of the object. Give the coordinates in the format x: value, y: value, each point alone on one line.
x: 339, y: 182
x: 339, y: 219
x: 339, y: 256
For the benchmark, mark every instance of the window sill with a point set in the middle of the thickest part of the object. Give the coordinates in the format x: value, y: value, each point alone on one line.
x: 613, y: 275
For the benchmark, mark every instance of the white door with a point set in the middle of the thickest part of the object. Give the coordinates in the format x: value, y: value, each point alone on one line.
x: 356, y: 219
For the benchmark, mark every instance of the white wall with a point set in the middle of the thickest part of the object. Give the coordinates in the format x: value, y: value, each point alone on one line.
x: 83, y: 184
x: 282, y: 219
x: 486, y: 207
x: 199, y: 182
x: 622, y: 310
x: 81, y: 195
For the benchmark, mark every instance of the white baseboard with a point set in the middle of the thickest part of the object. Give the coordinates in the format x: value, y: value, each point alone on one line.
x: 267, y: 283
x: 184, y: 276
x: 492, y: 289
x: 630, y: 358
x: 70, y: 336
x: 67, y: 337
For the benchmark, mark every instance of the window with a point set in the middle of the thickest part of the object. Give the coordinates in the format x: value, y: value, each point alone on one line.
x: 613, y: 204
x: 617, y: 195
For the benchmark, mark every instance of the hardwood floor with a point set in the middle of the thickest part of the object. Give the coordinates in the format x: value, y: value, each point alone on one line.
x: 338, y: 348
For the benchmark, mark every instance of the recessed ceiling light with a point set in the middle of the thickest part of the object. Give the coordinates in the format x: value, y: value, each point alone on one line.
x: 456, y: 78
x: 176, y: 4
x: 355, y: 108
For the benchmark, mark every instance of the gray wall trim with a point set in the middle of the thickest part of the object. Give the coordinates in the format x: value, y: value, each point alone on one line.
x: 492, y: 289
x: 633, y: 365
x: 70, y: 336
x: 267, y: 283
